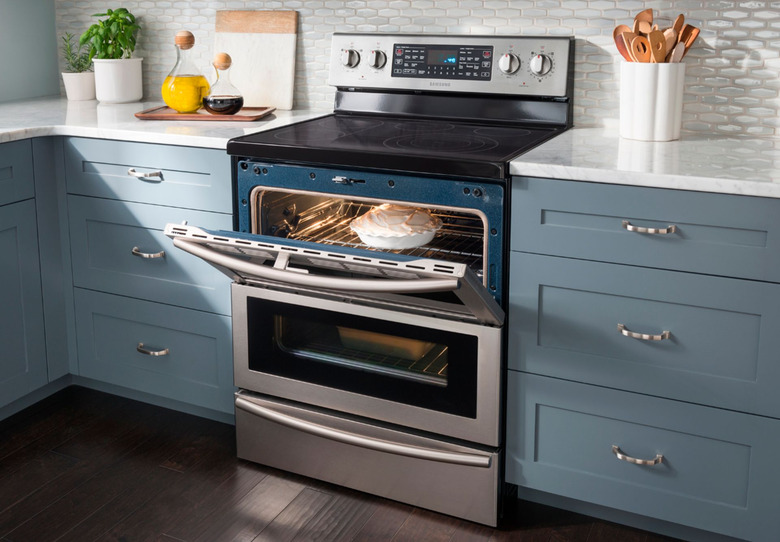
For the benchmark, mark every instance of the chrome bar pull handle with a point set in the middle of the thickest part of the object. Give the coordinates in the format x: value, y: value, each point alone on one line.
x: 148, y: 255
x: 647, y: 462
x: 671, y: 228
x: 145, y: 175
x: 141, y: 348
x: 643, y: 336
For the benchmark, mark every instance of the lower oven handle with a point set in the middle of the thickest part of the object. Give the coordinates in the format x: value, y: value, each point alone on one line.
x: 469, y: 460
x: 301, y: 279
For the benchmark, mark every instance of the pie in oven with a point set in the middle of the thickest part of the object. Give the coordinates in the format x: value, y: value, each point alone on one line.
x: 393, y: 226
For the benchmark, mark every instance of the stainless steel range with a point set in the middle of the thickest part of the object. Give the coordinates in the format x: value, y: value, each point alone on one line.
x: 369, y: 266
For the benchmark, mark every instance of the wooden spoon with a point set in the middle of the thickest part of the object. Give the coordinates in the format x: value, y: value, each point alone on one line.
x: 622, y: 45
x: 619, y: 29
x: 689, y: 37
x: 678, y: 24
x: 671, y: 39
x: 657, y: 46
x: 644, y: 21
x: 676, y: 54
x: 640, y: 49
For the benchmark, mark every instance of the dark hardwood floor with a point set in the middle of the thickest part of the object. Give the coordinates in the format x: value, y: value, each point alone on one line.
x: 85, y: 466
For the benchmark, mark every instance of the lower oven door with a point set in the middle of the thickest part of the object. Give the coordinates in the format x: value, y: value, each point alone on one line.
x: 462, y: 481
x: 412, y: 370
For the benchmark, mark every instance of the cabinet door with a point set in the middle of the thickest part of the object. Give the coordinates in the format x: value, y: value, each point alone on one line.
x: 16, y: 172
x: 119, y: 247
x: 722, y: 342
x: 706, y: 468
x: 23, y: 358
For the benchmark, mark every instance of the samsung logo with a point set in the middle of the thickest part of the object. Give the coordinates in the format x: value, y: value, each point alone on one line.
x: 438, y: 84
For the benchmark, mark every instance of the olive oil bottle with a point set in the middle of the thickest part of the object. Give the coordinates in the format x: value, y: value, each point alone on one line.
x: 184, y: 88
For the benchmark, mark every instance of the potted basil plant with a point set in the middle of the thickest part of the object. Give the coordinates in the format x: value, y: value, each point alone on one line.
x: 111, y: 42
x: 78, y: 77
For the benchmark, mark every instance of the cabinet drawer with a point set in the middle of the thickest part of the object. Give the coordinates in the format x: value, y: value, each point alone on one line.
x: 198, y: 366
x: 16, y: 172
x: 188, y: 177
x: 104, y: 234
x: 721, y: 351
x: 736, y: 236
x: 718, y: 471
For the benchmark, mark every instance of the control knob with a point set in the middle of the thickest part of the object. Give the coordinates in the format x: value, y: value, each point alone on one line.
x: 540, y: 64
x: 508, y: 63
x: 377, y: 59
x: 350, y: 58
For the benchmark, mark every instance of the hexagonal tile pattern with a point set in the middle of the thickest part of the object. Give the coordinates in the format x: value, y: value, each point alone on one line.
x: 732, y: 83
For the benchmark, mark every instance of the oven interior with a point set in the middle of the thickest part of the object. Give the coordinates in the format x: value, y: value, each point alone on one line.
x: 385, y: 354
x: 325, y: 219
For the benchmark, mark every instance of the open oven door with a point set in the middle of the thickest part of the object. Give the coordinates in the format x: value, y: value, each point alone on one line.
x: 382, y: 279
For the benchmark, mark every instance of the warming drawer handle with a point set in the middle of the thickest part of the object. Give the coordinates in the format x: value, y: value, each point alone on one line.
x: 145, y: 175
x: 345, y: 437
x: 148, y: 255
x: 141, y: 348
x: 648, y: 462
x: 402, y: 286
x: 671, y: 228
x: 644, y: 336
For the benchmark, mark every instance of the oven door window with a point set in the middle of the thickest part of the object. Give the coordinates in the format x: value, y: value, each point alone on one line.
x: 428, y: 368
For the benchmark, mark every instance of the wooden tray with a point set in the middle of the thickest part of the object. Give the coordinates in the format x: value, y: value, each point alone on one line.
x: 166, y: 113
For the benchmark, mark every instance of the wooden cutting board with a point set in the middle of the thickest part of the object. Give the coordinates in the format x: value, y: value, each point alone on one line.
x: 262, y: 46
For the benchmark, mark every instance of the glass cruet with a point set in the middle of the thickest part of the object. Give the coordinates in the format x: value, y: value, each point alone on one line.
x: 184, y: 88
x: 224, y: 98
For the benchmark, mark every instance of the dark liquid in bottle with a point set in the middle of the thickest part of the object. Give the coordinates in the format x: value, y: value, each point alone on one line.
x: 223, y: 105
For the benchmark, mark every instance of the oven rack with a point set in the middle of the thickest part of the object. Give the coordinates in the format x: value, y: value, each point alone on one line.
x: 460, y: 239
x: 429, y: 369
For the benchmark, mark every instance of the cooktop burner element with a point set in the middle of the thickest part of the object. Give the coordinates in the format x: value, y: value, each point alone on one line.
x: 460, y: 106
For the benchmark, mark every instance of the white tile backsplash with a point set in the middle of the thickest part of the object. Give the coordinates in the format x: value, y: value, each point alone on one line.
x: 733, y: 73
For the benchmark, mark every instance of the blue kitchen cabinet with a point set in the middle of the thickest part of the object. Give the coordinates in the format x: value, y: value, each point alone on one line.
x: 151, y: 321
x: 645, y: 319
x: 23, y: 358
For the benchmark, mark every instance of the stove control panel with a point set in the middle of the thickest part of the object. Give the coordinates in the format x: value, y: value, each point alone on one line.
x: 517, y: 65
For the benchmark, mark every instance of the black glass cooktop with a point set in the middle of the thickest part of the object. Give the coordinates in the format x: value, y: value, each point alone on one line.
x: 438, y: 147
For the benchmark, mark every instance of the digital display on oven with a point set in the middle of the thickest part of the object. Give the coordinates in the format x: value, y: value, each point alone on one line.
x: 442, y: 57
x: 465, y: 62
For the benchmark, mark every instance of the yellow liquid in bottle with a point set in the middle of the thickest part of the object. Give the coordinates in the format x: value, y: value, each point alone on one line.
x: 185, y: 93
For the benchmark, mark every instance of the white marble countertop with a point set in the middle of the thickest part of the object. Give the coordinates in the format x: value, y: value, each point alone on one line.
x: 705, y: 163
x: 58, y: 116
x: 731, y: 165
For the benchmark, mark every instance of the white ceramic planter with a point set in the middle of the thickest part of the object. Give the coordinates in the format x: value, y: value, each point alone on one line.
x: 651, y: 100
x: 118, y: 80
x: 79, y: 86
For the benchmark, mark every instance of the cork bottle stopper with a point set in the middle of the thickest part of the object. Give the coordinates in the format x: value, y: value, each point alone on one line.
x: 222, y: 61
x: 184, y: 39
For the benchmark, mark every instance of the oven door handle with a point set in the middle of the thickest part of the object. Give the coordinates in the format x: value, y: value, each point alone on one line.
x: 416, y: 452
x: 402, y: 286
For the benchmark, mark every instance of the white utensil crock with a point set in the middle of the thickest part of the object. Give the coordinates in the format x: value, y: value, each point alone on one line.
x: 118, y: 80
x: 651, y: 96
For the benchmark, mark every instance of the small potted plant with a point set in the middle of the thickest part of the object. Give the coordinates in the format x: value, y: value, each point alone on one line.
x: 78, y: 77
x: 111, y: 42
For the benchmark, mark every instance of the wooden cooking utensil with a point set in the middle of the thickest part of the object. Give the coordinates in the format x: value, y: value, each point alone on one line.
x: 689, y: 37
x: 676, y: 54
x: 671, y: 39
x: 620, y: 29
x: 657, y: 46
x: 635, y: 27
x: 640, y: 49
x: 678, y: 24
x: 645, y: 20
x: 622, y: 46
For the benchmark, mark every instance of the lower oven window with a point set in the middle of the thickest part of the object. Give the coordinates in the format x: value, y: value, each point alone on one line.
x: 429, y: 368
